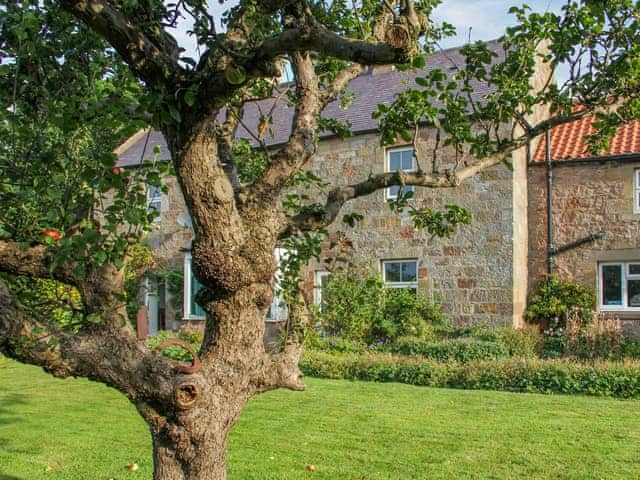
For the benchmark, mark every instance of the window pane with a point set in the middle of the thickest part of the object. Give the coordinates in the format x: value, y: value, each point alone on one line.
x: 395, y: 161
x: 194, y: 308
x: 407, y: 160
x: 634, y: 269
x: 633, y: 293
x: 393, y: 191
x: 409, y: 271
x: 612, y: 285
x: 392, y: 272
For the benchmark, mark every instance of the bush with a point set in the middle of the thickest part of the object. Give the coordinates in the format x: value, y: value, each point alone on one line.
x: 192, y: 337
x: 523, y: 342
x: 553, y: 300
x: 598, y: 337
x: 359, y: 307
x: 334, y: 344
x: 480, y: 332
x: 459, y: 349
x: 621, y: 380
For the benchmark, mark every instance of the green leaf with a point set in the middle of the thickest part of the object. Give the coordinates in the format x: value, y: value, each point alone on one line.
x: 94, y: 318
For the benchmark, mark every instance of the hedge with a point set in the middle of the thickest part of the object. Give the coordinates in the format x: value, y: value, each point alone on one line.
x: 459, y: 349
x: 610, y: 379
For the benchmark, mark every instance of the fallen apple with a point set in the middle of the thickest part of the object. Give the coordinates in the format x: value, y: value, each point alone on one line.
x: 51, y: 233
x: 310, y: 468
x: 133, y: 467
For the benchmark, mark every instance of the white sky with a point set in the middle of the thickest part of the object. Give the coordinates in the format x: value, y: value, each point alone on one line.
x: 487, y: 19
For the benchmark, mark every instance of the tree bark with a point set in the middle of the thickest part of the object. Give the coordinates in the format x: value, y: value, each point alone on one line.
x: 179, y: 460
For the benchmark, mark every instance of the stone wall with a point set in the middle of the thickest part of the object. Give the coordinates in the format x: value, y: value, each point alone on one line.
x: 588, y: 196
x: 472, y: 272
x: 171, y: 235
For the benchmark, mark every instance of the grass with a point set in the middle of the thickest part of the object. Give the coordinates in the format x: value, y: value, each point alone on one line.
x: 347, y: 430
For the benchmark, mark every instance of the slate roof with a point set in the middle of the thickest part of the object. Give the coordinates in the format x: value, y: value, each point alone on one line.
x: 378, y: 85
x: 567, y: 141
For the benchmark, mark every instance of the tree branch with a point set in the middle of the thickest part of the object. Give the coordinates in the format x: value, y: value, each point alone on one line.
x: 302, y: 142
x: 113, y: 357
x: 338, y: 196
x: 32, y: 262
x: 154, y: 62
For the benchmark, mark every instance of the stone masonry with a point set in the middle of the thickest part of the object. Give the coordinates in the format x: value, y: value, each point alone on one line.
x: 471, y: 274
x: 588, y: 196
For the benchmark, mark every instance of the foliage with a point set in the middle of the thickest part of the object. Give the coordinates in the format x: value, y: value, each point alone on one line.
x: 49, y: 301
x: 600, y: 337
x: 67, y: 100
x: 456, y: 344
x: 63, y: 97
x: 441, y: 224
x: 459, y: 349
x: 140, y: 261
x: 333, y: 344
x: 358, y: 307
x: 193, y: 337
x: 525, y: 342
x: 554, y: 298
x: 620, y: 380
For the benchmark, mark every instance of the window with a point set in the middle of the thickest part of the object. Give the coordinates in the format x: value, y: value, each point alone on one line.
x: 399, y: 159
x: 619, y: 286
x: 154, y: 200
x: 278, y: 310
x: 191, y: 310
x: 400, y: 274
x: 636, y: 191
x: 321, y: 278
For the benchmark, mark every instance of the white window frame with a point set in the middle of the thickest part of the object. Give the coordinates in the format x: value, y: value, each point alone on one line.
x: 187, y: 287
x: 154, y: 201
x: 319, y: 276
x: 391, y: 284
x: 625, y: 276
x: 278, y: 311
x: 387, y: 168
x: 636, y: 191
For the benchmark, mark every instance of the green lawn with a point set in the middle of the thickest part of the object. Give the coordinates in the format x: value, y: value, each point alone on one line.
x: 345, y: 429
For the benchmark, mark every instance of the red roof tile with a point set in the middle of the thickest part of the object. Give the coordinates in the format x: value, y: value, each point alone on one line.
x: 567, y: 141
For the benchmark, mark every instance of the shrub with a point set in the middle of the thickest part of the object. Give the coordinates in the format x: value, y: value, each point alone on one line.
x: 193, y: 337
x: 48, y: 301
x: 459, y: 349
x: 598, y: 337
x: 523, y: 342
x: 481, y: 332
x: 613, y: 379
x: 554, y: 298
x: 359, y: 307
x: 334, y: 344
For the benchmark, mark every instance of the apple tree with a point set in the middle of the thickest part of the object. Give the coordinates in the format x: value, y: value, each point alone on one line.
x: 81, y: 73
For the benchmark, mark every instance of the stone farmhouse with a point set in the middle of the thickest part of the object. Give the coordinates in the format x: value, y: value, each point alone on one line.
x: 584, y: 216
x: 483, y: 273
